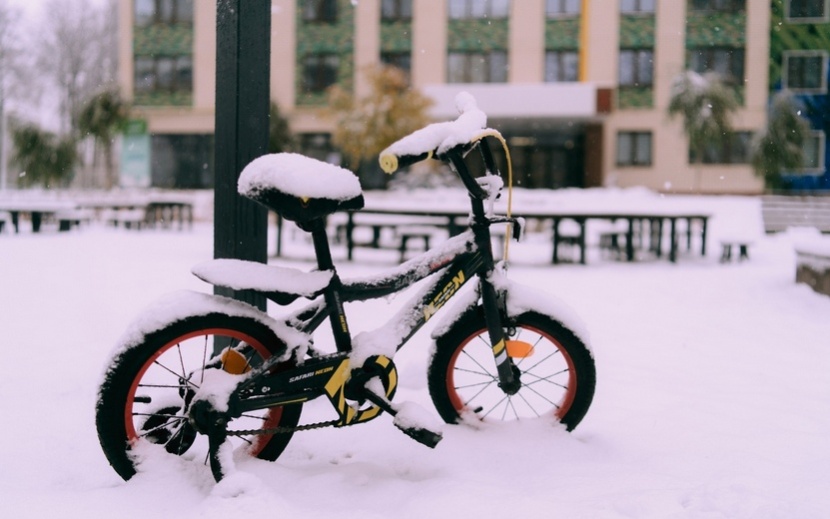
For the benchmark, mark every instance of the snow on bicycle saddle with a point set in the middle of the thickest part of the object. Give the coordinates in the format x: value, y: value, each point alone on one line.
x: 300, y: 188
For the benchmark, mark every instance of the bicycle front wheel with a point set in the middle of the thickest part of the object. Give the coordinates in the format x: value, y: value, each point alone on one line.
x: 146, y: 391
x: 555, y: 368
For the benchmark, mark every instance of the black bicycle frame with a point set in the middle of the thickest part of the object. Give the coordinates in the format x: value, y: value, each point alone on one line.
x: 453, y: 265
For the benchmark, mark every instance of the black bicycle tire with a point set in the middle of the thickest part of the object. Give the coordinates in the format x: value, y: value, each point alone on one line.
x: 472, y: 324
x: 110, y: 412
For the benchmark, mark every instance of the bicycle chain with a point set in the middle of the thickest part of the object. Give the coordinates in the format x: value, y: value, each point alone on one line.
x: 283, y: 430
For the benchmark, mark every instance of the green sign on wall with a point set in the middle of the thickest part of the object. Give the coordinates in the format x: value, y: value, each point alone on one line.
x: 135, y: 155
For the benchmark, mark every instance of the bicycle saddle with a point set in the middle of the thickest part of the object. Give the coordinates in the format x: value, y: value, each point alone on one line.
x: 299, y: 188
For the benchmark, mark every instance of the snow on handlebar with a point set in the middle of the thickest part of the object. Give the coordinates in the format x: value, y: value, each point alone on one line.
x: 436, y: 138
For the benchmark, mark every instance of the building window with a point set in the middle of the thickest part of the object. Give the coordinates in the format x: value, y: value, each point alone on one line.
x: 561, y: 66
x: 477, y: 67
x: 636, y: 6
x: 169, y: 74
x: 150, y: 12
x: 734, y: 149
x: 320, y: 11
x: 805, y: 71
x: 724, y: 6
x: 396, y: 10
x: 562, y: 8
x: 319, y: 72
x: 401, y: 60
x: 634, y: 149
x: 807, y: 11
x: 636, y: 67
x: 814, y: 151
x: 467, y: 9
x: 727, y: 62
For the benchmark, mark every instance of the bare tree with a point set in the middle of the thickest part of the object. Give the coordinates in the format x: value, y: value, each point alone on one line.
x: 9, y: 71
x: 77, y: 53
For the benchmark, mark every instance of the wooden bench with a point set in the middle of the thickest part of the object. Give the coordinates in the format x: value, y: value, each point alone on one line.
x: 407, y: 233
x: 782, y: 212
x: 813, y: 265
x: 401, y: 230
x: 742, y: 246
x: 72, y: 218
x: 127, y: 218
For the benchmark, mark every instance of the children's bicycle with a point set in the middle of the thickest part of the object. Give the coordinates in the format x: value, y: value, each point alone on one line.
x: 206, y: 378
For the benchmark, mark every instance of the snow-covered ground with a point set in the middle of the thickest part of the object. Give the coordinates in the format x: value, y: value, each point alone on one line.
x: 712, y: 401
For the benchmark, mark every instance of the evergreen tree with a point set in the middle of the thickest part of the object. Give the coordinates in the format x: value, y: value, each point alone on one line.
x: 101, y: 118
x: 280, y: 138
x: 42, y: 157
x: 705, y: 104
x: 779, y: 146
x: 366, y: 126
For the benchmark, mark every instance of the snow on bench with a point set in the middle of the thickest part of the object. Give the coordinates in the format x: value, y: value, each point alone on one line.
x: 813, y: 261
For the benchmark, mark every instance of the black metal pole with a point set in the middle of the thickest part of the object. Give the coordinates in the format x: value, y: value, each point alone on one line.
x: 243, y: 45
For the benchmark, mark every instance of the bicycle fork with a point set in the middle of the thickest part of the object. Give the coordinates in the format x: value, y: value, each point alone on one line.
x: 509, y: 381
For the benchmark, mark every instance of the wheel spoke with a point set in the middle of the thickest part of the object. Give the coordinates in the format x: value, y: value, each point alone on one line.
x: 180, y: 377
x: 540, y: 395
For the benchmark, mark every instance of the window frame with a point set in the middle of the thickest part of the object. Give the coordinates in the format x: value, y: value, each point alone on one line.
x: 821, y: 150
x: 318, y: 86
x: 711, y: 58
x: 400, y: 11
x: 469, y: 9
x: 560, y: 9
x: 824, y: 18
x: 633, y: 160
x: 638, y: 8
x: 735, y: 6
x: 180, y: 74
x: 156, y: 15
x: 562, y: 65
x: 785, y: 70
x: 724, y: 153
x: 319, y: 11
x: 469, y: 71
x: 637, y: 82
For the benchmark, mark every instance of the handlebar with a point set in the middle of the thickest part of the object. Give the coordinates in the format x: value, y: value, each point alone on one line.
x: 446, y: 141
x: 435, y: 140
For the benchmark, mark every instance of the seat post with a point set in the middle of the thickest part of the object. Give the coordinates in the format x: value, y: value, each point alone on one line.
x: 337, y: 316
x: 320, y: 239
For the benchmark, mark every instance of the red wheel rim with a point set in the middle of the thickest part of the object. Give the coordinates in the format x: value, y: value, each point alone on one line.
x: 560, y: 408
x: 272, y: 417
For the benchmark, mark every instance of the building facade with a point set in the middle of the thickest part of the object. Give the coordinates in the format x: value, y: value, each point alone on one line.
x: 580, y: 88
x: 799, y: 59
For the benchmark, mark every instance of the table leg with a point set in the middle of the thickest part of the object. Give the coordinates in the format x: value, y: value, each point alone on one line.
x: 673, y: 241
x: 582, y: 246
x: 704, y: 221
x: 37, y: 217
x: 15, y: 221
x: 279, y: 235
x: 629, y: 240
x: 555, y: 258
x: 349, y: 237
x: 689, y: 234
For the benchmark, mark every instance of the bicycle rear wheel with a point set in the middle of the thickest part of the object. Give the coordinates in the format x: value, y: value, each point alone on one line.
x: 144, y: 397
x: 555, y: 368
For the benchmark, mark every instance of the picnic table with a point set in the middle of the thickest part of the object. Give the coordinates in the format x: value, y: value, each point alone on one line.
x: 36, y: 210
x: 454, y: 221
x: 656, y: 221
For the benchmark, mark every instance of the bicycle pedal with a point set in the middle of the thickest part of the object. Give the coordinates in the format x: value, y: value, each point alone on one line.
x: 421, y: 435
x: 416, y: 423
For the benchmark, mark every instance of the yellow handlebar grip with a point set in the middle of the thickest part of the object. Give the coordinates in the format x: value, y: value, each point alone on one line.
x: 388, y: 163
